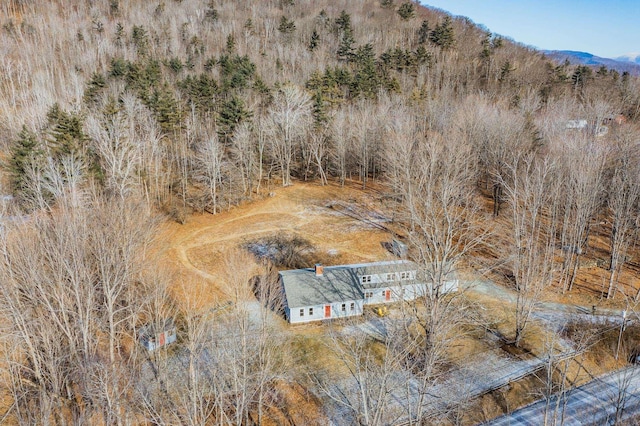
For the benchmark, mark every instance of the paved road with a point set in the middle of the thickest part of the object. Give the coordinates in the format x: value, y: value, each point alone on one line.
x: 591, y: 404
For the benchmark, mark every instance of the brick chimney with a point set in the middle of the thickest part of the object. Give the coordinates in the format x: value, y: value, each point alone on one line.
x: 319, y: 269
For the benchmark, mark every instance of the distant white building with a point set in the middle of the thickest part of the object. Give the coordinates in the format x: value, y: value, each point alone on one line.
x: 577, y: 124
x: 320, y: 293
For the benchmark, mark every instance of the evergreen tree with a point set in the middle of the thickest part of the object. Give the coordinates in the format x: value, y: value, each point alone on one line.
x: 140, y: 39
x: 346, y: 49
x: 201, y: 92
x: 366, y: 81
x: 236, y: 71
x: 248, y: 26
x: 166, y: 109
x: 343, y: 22
x: 422, y: 57
x: 343, y: 26
x: 65, y: 129
x: 580, y: 76
x: 231, y: 43
x: 119, y: 39
x: 232, y: 113
x: 602, y: 71
x: 387, y: 4
x: 94, y: 87
x: 313, y: 42
x: 505, y: 71
x: 211, y: 14
x: 407, y: 11
x: 424, y: 32
x: 286, y: 26
x: 26, y: 154
x: 323, y: 19
x: 118, y: 67
x: 443, y: 35
x: 319, y: 111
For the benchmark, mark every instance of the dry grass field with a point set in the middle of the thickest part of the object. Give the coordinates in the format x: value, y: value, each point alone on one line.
x: 194, y: 252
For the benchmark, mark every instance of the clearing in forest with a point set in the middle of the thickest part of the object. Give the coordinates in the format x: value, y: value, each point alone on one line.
x: 343, y: 224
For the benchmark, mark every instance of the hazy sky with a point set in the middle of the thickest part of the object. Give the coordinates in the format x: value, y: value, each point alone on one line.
x: 607, y: 28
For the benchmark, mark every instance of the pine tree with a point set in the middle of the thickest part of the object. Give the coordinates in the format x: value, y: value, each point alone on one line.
x: 505, y: 71
x: 65, y: 129
x: 580, y: 76
x: 140, y: 39
x: 232, y: 113
x: 313, y: 42
x: 201, y: 92
x: 346, y: 49
x: 166, y: 109
x: 366, y: 80
x: 94, y: 87
x: 211, y: 14
x: 442, y: 35
x: 231, y: 43
x: 286, y: 26
x: 319, y: 111
x: 236, y: 71
x: 119, y: 39
x: 26, y: 154
x: 387, y: 4
x: 407, y: 11
x: 424, y: 32
x: 343, y: 22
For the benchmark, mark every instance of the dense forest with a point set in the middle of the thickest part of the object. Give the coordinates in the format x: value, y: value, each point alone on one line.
x: 116, y: 116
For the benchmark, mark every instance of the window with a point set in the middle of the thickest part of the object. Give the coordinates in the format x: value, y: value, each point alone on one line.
x: 368, y: 294
x: 390, y: 277
x: 352, y: 306
x: 384, y: 292
x: 405, y: 275
x: 301, y: 312
x: 310, y: 311
x: 366, y: 279
x: 344, y: 307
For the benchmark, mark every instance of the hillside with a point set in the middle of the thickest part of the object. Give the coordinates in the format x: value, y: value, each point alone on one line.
x: 163, y: 160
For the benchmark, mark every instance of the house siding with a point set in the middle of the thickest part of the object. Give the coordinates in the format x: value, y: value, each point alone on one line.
x: 294, y: 317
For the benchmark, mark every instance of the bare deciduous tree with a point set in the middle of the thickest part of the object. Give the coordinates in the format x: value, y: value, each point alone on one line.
x: 622, y: 201
x: 529, y: 190
x: 288, y: 121
x: 209, y: 165
x: 118, y: 153
x: 71, y: 296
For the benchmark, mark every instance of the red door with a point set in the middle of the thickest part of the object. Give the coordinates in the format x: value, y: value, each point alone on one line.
x: 387, y: 295
x: 162, y: 339
x: 327, y: 311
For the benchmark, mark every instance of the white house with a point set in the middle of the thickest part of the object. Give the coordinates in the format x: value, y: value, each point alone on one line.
x: 320, y: 293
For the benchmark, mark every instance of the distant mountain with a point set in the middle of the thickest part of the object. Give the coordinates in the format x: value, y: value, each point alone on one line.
x: 584, y: 58
x: 629, y: 57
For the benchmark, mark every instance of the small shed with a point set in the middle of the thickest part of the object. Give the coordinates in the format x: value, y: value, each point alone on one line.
x: 155, y: 336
